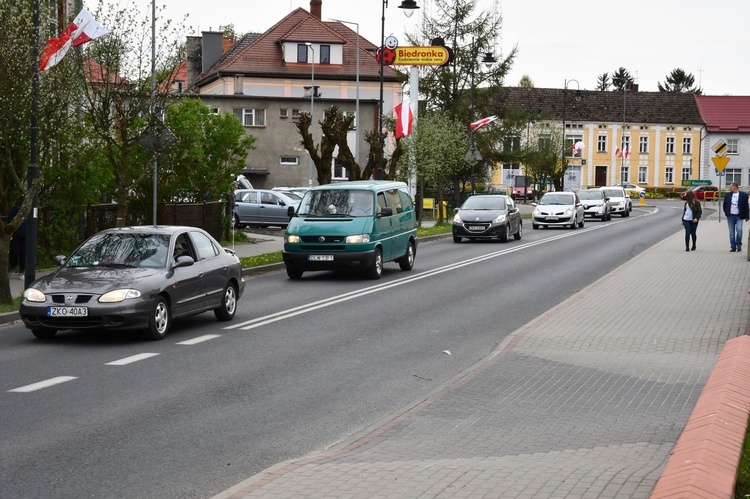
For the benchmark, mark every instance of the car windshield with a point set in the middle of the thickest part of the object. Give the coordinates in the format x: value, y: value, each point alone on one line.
x: 337, y: 202
x: 292, y: 195
x: 614, y: 193
x: 122, y: 250
x: 484, y: 203
x: 588, y: 195
x: 557, y: 198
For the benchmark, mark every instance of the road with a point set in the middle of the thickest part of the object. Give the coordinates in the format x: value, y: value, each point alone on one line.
x: 303, y: 365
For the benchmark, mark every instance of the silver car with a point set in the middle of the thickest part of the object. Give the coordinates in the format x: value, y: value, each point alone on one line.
x: 558, y: 209
x: 595, y: 204
x: 619, y: 200
x: 261, y: 207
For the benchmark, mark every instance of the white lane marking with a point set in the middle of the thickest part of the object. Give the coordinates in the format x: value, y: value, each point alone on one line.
x: 199, y: 339
x: 302, y: 309
x: 131, y: 359
x: 43, y: 384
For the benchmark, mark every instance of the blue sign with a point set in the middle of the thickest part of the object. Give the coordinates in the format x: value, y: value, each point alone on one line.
x: 717, y: 173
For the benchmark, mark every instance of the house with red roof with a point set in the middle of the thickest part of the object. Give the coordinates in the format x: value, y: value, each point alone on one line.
x: 727, y: 120
x: 266, y: 80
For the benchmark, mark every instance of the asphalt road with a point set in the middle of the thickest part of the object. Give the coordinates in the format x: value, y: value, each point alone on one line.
x: 304, y: 365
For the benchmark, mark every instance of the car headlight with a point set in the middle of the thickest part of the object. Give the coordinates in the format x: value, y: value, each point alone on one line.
x: 457, y: 219
x: 34, y: 295
x: 537, y: 213
x: 289, y: 238
x: 500, y: 219
x: 568, y: 212
x: 358, y: 239
x: 119, y: 295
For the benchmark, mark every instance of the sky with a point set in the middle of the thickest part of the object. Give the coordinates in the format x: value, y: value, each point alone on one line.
x: 557, y: 40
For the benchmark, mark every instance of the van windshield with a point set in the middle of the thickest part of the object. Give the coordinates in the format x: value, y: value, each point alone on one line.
x: 337, y: 202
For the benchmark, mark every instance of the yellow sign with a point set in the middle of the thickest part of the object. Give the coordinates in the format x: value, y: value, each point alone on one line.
x: 720, y: 162
x: 421, y: 56
x: 428, y: 203
x: 720, y: 148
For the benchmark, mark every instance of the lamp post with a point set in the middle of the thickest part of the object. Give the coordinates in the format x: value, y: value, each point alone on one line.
x: 473, y: 154
x: 409, y: 7
x: 356, y: 112
x: 578, y: 96
x: 312, y: 109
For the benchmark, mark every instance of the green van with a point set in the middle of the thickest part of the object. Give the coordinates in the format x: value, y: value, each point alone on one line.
x: 352, y: 226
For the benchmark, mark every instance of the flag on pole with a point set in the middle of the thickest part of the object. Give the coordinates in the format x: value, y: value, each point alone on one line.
x: 578, y: 146
x: 482, y: 123
x: 83, y: 29
x: 404, y: 120
x: 622, y: 153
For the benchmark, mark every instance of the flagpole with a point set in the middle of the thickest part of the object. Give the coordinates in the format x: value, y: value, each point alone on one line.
x: 33, y: 168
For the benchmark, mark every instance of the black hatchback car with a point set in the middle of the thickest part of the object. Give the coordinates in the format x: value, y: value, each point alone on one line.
x: 487, y: 217
x: 135, y: 277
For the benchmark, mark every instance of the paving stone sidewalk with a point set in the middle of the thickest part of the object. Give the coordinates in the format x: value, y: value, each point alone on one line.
x: 587, y: 400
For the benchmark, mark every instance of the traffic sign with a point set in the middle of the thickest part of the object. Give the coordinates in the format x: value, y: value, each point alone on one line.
x: 720, y: 162
x: 720, y: 148
x: 695, y: 183
x: 718, y: 173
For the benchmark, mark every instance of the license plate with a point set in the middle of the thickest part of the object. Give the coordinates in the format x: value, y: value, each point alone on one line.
x: 476, y: 227
x: 320, y: 258
x: 67, y: 311
x: 552, y: 218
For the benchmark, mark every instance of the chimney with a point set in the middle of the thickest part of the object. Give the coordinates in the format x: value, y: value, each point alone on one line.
x: 316, y: 8
x: 194, y: 60
x: 212, y: 47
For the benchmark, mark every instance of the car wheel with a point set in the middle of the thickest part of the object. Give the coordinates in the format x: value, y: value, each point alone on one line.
x: 626, y: 214
x: 574, y: 225
x: 376, y: 270
x: 407, y: 261
x: 160, y: 320
x: 535, y: 226
x: 456, y: 239
x: 504, y: 236
x: 237, y: 224
x: 604, y: 218
x: 581, y: 224
x: 518, y: 234
x: 228, y: 306
x: 43, y: 333
x: 293, y: 274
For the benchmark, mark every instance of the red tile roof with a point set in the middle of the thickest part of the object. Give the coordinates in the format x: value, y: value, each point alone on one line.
x: 725, y: 113
x: 263, y: 55
x: 96, y: 73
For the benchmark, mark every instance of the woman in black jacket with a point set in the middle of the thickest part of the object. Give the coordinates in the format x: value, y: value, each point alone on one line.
x: 691, y: 213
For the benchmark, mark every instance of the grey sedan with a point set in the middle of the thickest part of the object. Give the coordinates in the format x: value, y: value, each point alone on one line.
x: 261, y: 207
x: 135, y: 278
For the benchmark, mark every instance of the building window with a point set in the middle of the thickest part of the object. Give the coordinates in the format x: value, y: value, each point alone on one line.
x: 733, y: 146
x: 625, y: 174
x: 601, y: 143
x: 544, y: 142
x: 642, y: 175
x: 569, y: 141
x: 295, y: 113
x: 669, y: 175
x: 687, y: 145
x: 643, y: 145
x: 325, y: 54
x: 238, y: 85
x: 289, y: 160
x: 625, y: 143
x: 301, y: 52
x: 686, y: 173
x: 339, y: 172
x: 214, y: 110
x: 670, y: 146
x: 251, y: 117
x: 734, y: 175
x: 283, y: 113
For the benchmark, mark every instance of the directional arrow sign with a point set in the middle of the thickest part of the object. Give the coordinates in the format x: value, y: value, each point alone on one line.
x: 720, y: 162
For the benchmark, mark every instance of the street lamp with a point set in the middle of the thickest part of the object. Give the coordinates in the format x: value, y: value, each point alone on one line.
x: 409, y: 7
x: 312, y: 108
x: 578, y: 96
x: 356, y: 112
x: 473, y: 154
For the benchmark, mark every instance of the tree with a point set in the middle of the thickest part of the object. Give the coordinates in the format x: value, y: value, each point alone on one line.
x: 540, y: 155
x: 603, y: 82
x: 679, y: 81
x: 621, y: 79
x: 526, y: 82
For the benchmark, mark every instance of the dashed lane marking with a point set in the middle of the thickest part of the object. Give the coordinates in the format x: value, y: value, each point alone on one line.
x: 199, y: 339
x: 131, y: 359
x: 43, y: 384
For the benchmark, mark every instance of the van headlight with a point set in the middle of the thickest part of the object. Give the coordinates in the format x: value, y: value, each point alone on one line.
x: 358, y: 239
x: 34, y: 295
x: 500, y: 219
x: 119, y: 295
x: 290, y: 238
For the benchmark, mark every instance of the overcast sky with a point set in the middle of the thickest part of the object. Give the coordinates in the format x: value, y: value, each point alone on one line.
x: 556, y: 39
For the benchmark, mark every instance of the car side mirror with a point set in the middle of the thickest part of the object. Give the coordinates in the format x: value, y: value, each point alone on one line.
x: 61, y: 259
x: 290, y: 211
x: 455, y: 210
x: 533, y: 204
x: 183, y: 261
x: 385, y: 212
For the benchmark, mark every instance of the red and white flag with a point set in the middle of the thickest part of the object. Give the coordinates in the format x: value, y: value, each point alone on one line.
x: 482, y: 123
x: 83, y: 29
x: 622, y: 153
x: 404, y: 120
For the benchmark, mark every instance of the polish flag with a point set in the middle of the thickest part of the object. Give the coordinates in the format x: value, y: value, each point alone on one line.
x: 482, y: 123
x: 404, y: 120
x: 83, y: 29
x: 622, y: 153
x: 578, y: 146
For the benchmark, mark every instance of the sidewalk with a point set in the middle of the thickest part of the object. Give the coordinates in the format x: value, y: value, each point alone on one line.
x: 587, y: 400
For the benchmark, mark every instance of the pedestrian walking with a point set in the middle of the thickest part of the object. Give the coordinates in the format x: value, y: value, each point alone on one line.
x: 736, y: 209
x: 17, y: 244
x: 691, y: 214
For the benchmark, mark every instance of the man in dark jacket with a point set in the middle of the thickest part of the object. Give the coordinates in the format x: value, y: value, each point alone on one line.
x: 737, y: 210
x: 17, y: 244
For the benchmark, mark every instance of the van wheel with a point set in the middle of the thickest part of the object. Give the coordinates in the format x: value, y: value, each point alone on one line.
x: 376, y: 270
x: 407, y: 261
x: 294, y: 274
x: 518, y: 234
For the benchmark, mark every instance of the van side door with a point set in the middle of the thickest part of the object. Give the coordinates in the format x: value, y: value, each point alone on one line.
x: 383, y: 228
